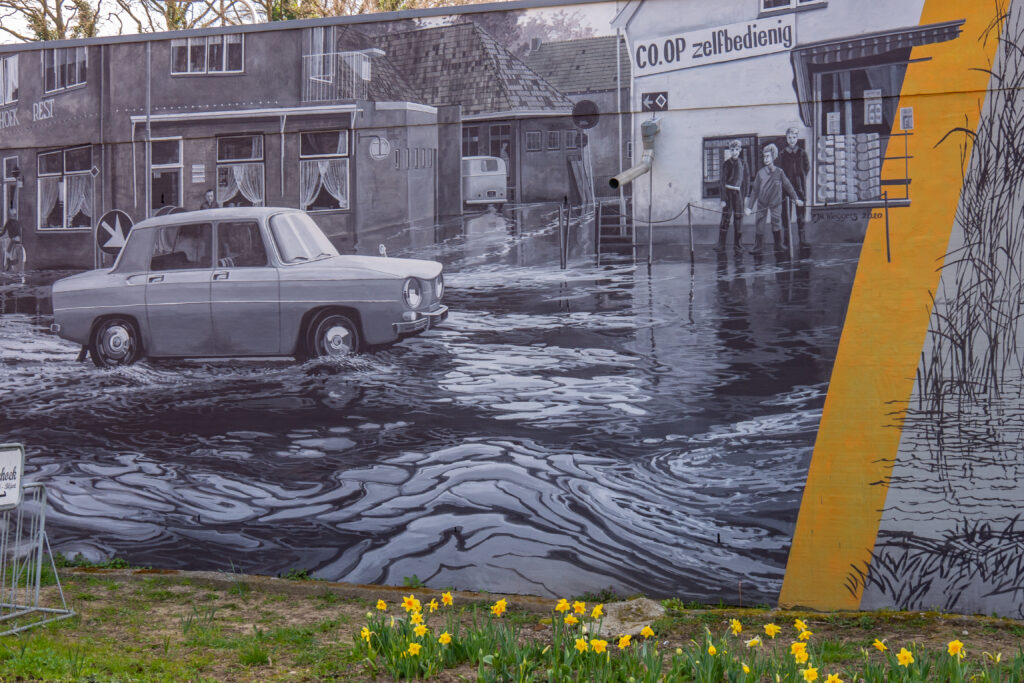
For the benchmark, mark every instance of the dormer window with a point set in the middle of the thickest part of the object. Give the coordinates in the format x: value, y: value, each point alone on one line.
x: 208, y: 54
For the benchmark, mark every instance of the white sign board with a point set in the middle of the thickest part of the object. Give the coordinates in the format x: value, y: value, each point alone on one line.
x: 711, y: 45
x: 12, y: 462
x: 906, y: 118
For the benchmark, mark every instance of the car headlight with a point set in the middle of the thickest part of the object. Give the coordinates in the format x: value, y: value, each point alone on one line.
x: 439, y: 286
x: 412, y: 291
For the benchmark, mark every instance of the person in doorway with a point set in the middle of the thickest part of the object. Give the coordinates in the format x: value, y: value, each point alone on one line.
x: 796, y: 165
x: 732, y: 182
x: 770, y: 184
x: 208, y: 201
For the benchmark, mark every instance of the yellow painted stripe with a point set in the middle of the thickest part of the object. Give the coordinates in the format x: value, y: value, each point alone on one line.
x: 887, y: 320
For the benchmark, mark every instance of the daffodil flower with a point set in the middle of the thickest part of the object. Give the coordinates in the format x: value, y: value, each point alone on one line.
x: 414, y: 648
x: 381, y: 605
x: 800, y: 625
x: 801, y: 656
x: 833, y: 678
x: 624, y: 641
x: 955, y: 649
x: 570, y: 620
x: 905, y: 657
x: 598, y: 612
x: 411, y: 604
x: 563, y: 605
x: 433, y: 606
x: 365, y: 634
x: 735, y: 626
x: 810, y: 673
x: 498, y: 608
x: 599, y: 645
x: 579, y: 607
x: 444, y: 638
x: 420, y: 630
x: 880, y: 645
x: 805, y: 635
x: 581, y: 644
x: 754, y: 642
x: 647, y: 632
x: 416, y: 618
x: 771, y: 630
x: 446, y: 599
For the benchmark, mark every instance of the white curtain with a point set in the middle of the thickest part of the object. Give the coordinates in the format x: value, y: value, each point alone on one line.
x: 309, y: 183
x: 249, y: 178
x: 49, y: 189
x: 79, y: 195
x: 227, y: 187
x: 335, y: 176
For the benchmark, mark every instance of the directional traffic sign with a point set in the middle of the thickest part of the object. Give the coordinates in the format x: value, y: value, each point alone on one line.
x: 112, y: 231
x: 655, y: 101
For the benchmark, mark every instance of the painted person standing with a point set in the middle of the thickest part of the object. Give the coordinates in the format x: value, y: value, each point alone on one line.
x: 732, y: 183
x: 766, y: 196
x: 794, y: 162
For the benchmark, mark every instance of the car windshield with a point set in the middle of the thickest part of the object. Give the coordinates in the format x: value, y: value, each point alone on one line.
x: 299, y: 239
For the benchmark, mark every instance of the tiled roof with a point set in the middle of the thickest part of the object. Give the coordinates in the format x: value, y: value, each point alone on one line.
x: 583, y: 65
x: 387, y: 84
x: 462, y: 64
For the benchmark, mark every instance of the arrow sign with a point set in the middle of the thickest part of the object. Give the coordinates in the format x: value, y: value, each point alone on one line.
x: 112, y: 231
x: 654, y: 101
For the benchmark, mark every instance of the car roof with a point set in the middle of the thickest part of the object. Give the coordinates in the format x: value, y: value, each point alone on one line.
x: 202, y: 215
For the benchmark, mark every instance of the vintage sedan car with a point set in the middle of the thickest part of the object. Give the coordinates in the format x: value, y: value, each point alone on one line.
x: 243, y: 282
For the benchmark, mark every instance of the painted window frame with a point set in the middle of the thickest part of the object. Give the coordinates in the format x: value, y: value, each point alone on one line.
x: 717, y: 144
x: 8, y: 66
x: 534, y: 141
x: 180, y: 166
x: 554, y: 141
x: 572, y: 139
x: 81, y: 53
x: 229, y: 162
x: 471, y: 141
x: 207, y: 42
x: 62, y: 177
x: 343, y: 156
x: 10, y: 193
x: 783, y: 6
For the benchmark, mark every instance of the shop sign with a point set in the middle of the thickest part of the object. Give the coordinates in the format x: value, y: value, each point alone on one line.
x: 12, y: 461
x: 906, y: 118
x: 198, y: 174
x: 42, y: 110
x: 8, y: 118
x: 654, y: 101
x: 708, y: 46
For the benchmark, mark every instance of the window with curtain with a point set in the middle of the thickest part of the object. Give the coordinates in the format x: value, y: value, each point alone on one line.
x: 240, y: 180
x: 8, y: 80
x: 323, y: 170
x: 65, y: 189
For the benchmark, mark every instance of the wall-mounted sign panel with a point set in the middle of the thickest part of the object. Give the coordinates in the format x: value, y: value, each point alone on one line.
x: 12, y: 462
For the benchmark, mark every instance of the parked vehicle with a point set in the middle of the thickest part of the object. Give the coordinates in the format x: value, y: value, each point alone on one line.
x: 484, y: 180
x: 243, y: 282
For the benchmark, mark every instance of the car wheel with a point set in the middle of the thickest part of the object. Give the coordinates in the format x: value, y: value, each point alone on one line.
x: 333, y: 336
x: 114, y: 342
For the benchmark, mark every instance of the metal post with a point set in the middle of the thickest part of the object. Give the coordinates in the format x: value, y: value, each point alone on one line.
x: 689, y: 222
x: 650, y: 225
x: 888, y: 248
x: 561, y: 237
x: 793, y: 208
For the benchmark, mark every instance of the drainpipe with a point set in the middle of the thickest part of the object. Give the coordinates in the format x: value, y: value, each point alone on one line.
x: 648, y: 129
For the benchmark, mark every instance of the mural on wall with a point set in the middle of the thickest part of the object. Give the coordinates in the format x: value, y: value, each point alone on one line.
x: 635, y: 387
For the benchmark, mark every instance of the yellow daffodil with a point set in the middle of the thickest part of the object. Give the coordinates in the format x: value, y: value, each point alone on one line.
x: 735, y: 626
x: 801, y: 656
x: 880, y: 645
x: 797, y: 647
x: 624, y: 641
x: 579, y: 607
x: 647, y: 632
x: 599, y: 645
x: 955, y: 649
x: 833, y: 678
x: 598, y: 612
x: 433, y: 606
x: 746, y: 669
x: 679, y: 651
x: 800, y: 625
x: 365, y: 634
x: 570, y: 620
x: 411, y: 604
x: 446, y: 599
x: 498, y: 608
x: 414, y: 648
x: 563, y: 605
x: 904, y: 657
x: 416, y: 618
x: 998, y: 657
x: 754, y: 642
x: 444, y: 638
x: 581, y: 644
x: 420, y: 630
x: 381, y: 605
x: 810, y: 673
x: 805, y: 635
x: 712, y: 650
x: 771, y: 630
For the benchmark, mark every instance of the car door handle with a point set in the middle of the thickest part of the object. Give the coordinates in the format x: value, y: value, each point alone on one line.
x: 156, y: 278
x: 221, y: 275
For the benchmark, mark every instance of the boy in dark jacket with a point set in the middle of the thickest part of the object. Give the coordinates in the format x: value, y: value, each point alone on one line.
x: 795, y: 164
x: 732, y: 182
x: 769, y: 185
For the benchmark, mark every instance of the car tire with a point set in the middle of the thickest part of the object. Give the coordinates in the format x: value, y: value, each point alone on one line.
x: 332, y: 335
x: 114, y: 342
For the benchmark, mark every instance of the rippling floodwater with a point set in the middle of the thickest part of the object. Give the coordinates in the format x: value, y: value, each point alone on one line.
x: 644, y: 429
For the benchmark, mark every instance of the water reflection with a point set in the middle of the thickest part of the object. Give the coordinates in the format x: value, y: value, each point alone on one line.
x: 644, y: 428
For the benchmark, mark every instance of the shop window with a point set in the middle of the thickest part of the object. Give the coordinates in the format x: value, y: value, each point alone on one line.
x: 64, y: 67
x: 209, y: 54
x: 554, y: 139
x: 714, y: 155
x: 323, y: 170
x: 240, y: 170
x: 534, y: 141
x: 471, y: 141
x: 65, y: 189
x: 165, y: 173
x: 8, y: 80
x: 788, y: 5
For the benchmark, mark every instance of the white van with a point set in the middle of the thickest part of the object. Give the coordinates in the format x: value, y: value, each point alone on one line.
x: 484, y: 180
